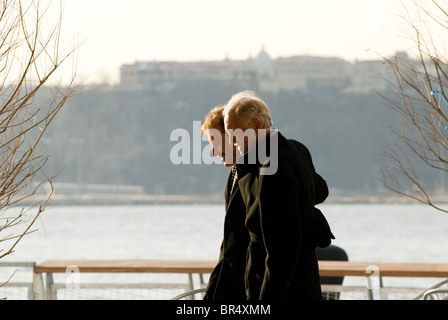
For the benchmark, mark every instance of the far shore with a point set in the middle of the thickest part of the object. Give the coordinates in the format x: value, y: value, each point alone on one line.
x: 129, y: 199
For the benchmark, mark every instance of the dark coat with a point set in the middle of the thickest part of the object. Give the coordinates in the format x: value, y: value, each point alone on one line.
x: 227, y: 278
x: 280, y: 216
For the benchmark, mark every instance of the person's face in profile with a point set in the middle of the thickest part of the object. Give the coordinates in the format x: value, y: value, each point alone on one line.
x: 221, y: 146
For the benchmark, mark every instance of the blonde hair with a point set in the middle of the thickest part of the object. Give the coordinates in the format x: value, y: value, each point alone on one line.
x: 214, y: 119
x: 247, y: 106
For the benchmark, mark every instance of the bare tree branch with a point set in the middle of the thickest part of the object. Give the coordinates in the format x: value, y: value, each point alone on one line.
x: 419, y: 88
x: 30, y: 54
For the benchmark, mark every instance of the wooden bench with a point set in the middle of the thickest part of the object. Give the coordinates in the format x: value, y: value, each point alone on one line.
x: 190, y: 267
x: 50, y: 267
x: 128, y: 266
x: 384, y: 269
x: 327, y: 268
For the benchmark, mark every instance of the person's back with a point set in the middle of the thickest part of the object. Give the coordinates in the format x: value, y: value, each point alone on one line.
x: 282, y: 262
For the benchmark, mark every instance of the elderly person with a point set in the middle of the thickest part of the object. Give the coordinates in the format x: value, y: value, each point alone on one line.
x: 283, y: 223
x: 227, y: 279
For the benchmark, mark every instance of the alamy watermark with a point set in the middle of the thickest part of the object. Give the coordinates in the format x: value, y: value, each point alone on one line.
x: 252, y: 146
x: 72, y: 280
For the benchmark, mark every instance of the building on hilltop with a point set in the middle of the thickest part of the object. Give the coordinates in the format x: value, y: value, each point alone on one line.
x: 304, y: 72
x: 272, y: 75
x: 168, y: 73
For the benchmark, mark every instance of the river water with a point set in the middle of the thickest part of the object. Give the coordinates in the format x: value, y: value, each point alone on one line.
x: 367, y: 232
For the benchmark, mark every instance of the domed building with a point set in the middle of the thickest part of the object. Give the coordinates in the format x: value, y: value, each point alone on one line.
x: 263, y: 60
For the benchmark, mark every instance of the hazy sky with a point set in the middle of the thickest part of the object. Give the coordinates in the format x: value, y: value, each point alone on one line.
x: 117, y: 32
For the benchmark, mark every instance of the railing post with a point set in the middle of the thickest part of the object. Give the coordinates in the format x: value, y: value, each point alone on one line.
x: 369, y: 289
x: 38, y: 286
x: 191, y: 284
x: 50, y: 293
x: 190, y: 281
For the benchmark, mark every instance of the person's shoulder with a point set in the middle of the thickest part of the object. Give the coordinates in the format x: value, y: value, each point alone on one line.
x: 285, y: 156
x: 293, y: 153
x: 289, y: 148
x: 296, y: 148
x: 297, y: 145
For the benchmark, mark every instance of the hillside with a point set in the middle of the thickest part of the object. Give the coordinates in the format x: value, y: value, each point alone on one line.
x: 113, y: 135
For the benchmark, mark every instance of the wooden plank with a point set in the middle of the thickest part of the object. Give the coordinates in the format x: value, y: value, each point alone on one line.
x: 383, y: 269
x: 327, y: 268
x: 128, y: 266
x: 414, y: 270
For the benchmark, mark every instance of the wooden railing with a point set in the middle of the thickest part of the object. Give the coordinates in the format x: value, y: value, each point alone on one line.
x: 190, y: 267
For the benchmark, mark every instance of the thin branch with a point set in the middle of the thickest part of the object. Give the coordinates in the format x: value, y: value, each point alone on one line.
x: 422, y: 118
x: 23, y: 124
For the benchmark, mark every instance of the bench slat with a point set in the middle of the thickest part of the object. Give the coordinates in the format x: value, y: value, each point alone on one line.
x: 128, y: 266
x: 385, y: 269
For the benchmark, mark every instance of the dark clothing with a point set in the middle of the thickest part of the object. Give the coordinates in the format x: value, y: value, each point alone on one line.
x: 283, y: 223
x: 333, y: 253
x: 227, y: 278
